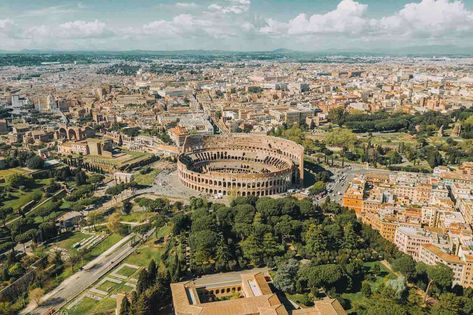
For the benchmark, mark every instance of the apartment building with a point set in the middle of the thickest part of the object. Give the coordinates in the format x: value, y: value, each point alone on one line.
x: 431, y: 254
x: 409, y: 240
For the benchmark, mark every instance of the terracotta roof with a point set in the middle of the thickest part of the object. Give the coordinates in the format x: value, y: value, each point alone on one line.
x: 326, y: 306
x: 442, y: 255
x: 257, y: 298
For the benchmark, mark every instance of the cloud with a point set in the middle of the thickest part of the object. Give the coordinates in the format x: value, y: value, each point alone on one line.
x: 181, y: 25
x: 5, y: 24
x: 186, y: 5
x: 186, y: 26
x: 8, y: 29
x: 57, y: 11
x: 228, y: 23
x: 70, y: 30
x: 428, y: 18
x: 83, y: 29
x: 231, y: 6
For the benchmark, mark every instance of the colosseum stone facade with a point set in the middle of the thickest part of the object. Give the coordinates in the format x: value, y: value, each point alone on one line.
x: 240, y: 164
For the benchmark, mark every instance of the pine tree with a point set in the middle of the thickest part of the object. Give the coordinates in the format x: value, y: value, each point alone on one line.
x: 164, y: 279
x: 350, y: 237
x: 251, y: 250
x: 133, y: 299
x: 221, y: 255
x: 270, y: 246
x: 152, y: 273
x: 315, y: 240
x: 155, y: 298
x: 142, y: 283
x: 125, y: 308
x: 176, y: 276
x: 143, y: 305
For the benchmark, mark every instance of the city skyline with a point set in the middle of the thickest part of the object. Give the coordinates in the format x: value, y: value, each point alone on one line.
x: 237, y: 25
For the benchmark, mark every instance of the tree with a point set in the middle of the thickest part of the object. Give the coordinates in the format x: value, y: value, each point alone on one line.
x: 7, y: 309
x: 92, y: 217
x: 376, y: 269
x: 405, y: 265
x: 337, y: 115
x: 181, y: 222
x: 152, y: 272
x: 36, y: 295
x: 35, y: 162
x: 270, y: 246
x: 143, y: 282
x: 125, y: 307
x: 113, y: 222
x: 324, y: 276
x: 143, y: 305
x: 350, y: 239
x: 17, y: 180
x: 340, y: 137
x: 81, y: 178
x: 441, y: 275
x: 317, y: 188
x: 222, y: 256
x: 285, y: 275
x: 4, y: 212
x: 366, y: 289
x: 133, y: 299
x: 433, y: 157
x: 252, y: 250
x: 316, y: 240
x: 448, y: 304
x: 383, y: 306
x: 127, y: 206
x: 117, y: 189
x: 203, y: 245
x: 176, y: 274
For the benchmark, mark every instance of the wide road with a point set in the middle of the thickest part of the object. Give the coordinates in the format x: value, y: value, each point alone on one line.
x: 339, y: 185
x: 78, y: 282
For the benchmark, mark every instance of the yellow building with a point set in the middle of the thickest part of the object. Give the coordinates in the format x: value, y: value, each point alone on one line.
x: 353, y: 197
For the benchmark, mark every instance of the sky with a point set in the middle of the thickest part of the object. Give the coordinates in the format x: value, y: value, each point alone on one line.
x: 240, y: 25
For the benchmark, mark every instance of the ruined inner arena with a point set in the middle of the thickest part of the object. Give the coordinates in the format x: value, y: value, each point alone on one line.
x: 240, y: 164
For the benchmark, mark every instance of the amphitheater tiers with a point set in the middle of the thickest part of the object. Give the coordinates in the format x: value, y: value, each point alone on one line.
x: 240, y: 164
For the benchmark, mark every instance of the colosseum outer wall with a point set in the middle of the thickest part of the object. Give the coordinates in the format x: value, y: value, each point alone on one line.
x: 241, y: 164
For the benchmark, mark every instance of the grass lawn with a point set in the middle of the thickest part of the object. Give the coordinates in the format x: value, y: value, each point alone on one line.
x: 20, y: 198
x: 11, y: 171
x: 145, y: 179
x: 149, y: 250
x: 357, y: 299
x: 107, y: 285
x: 391, y: 138
x: 104, y: 245
x: 127, y: 271
x: 91, y: 306
x: 137, y: 216
x: 126, y: 158
x: 74, y: 238
x: 143, y: 255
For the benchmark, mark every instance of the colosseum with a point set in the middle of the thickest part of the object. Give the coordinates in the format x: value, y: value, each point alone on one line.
x: 240, y: 164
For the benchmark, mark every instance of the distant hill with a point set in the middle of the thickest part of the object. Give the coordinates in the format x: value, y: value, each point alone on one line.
x: 421, y: 51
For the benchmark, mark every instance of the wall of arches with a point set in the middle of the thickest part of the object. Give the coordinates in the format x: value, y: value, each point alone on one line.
x: 282, y: 162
